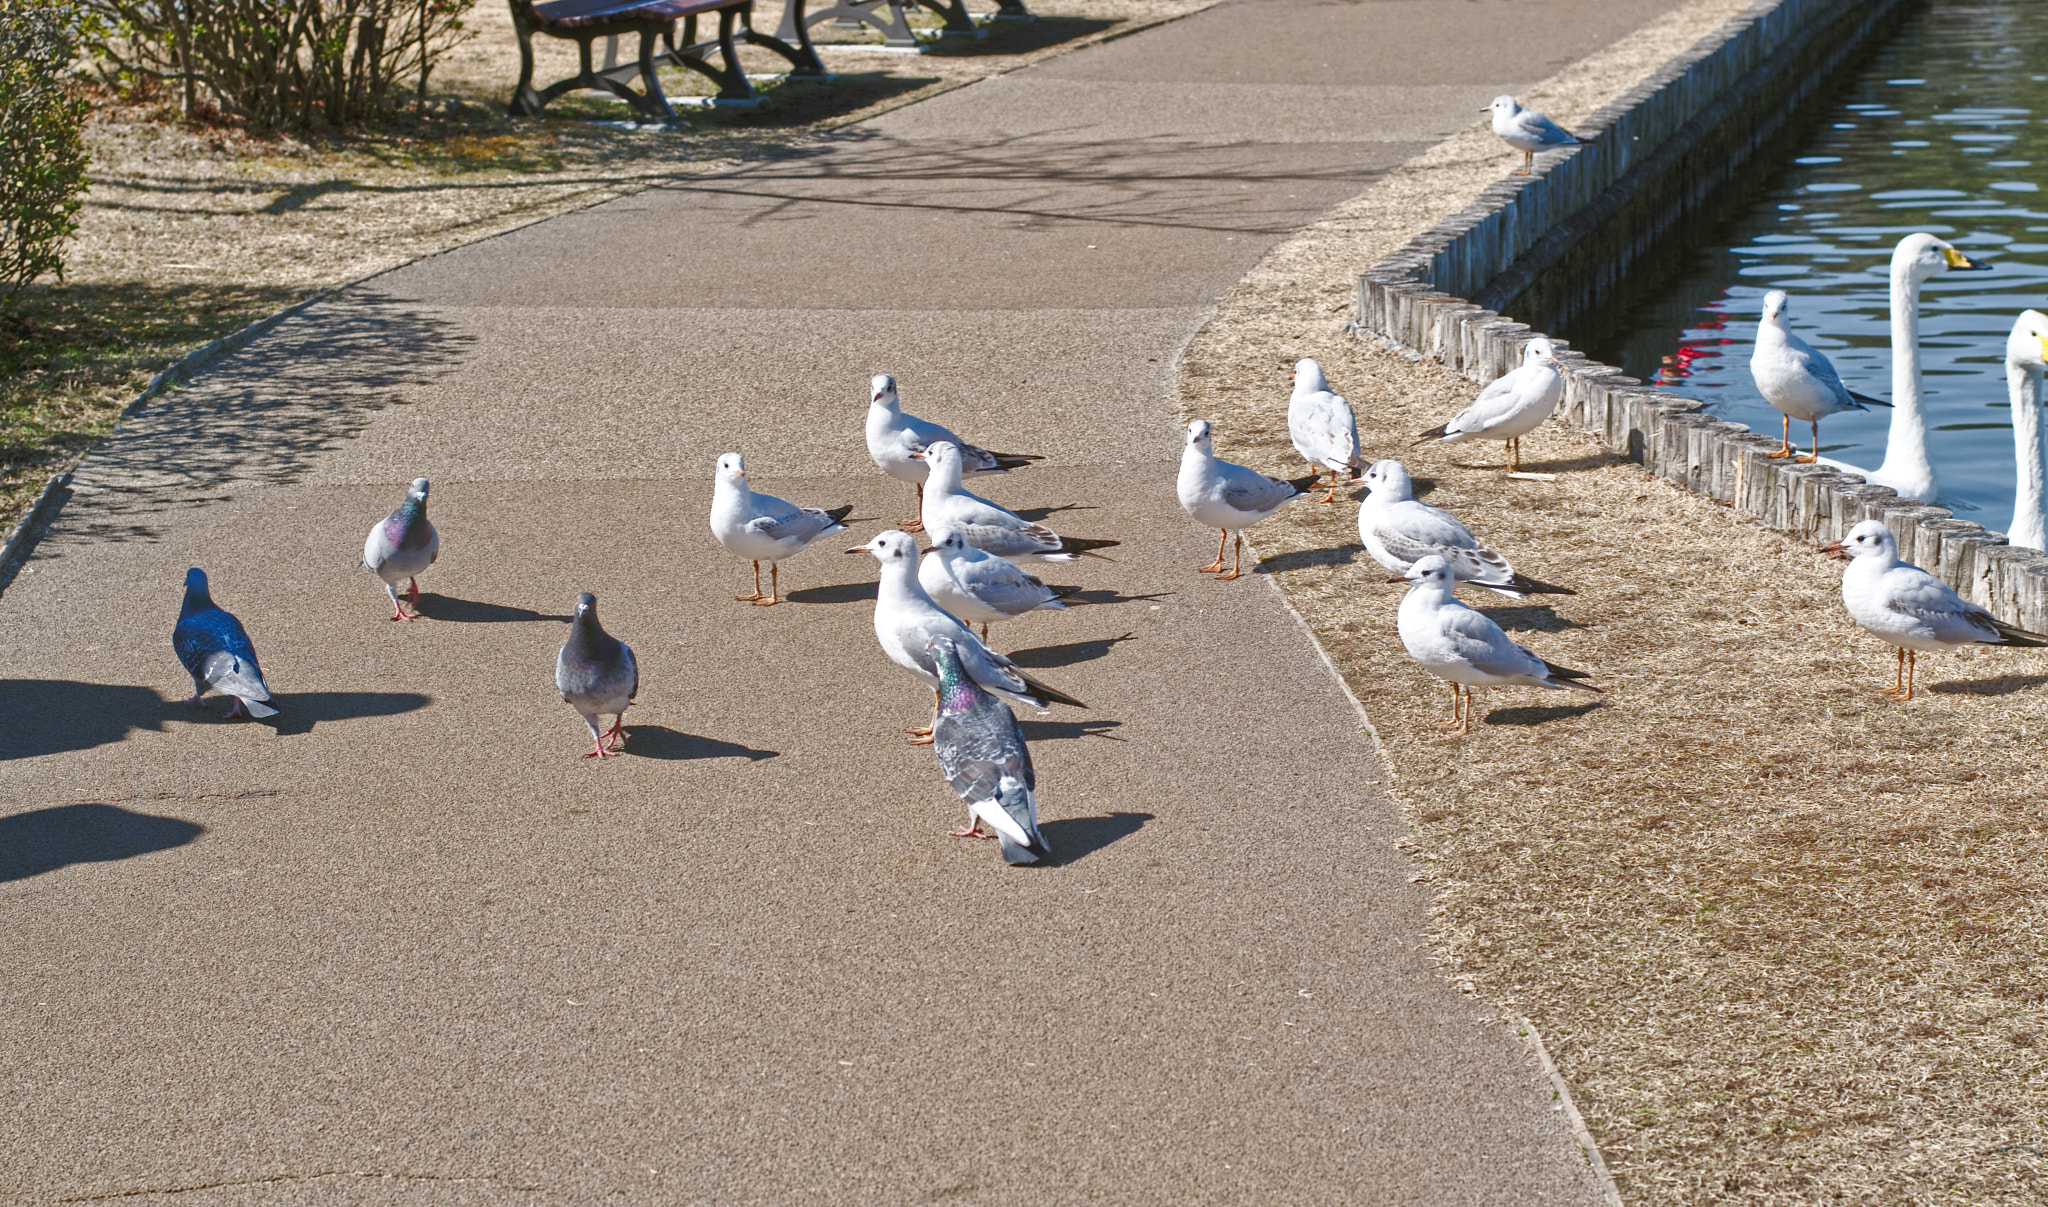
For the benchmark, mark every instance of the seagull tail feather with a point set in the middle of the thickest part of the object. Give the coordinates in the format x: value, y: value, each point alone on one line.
x: 1529, y: 586
x: 1075, y: 544
x: 1048, y: 694
x: 2011, y: 635
x: 1865, y: 400
x: 1436, y: 433
x: 1564, y: 676
x: 839, y: 514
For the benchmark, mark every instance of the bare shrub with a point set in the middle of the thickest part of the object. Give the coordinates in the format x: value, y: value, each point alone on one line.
x: 42, y: 154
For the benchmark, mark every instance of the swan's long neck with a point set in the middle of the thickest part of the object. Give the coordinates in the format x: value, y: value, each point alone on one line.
x: 2030, y: 461
x: 1905, y: 452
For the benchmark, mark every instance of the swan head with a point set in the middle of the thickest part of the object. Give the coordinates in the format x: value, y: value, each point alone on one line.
x: 2027, y: 346
x: 1867, y: 539
x: 1198, y: 434
x: 1539, y: 351
x: 1918, y: 257
x: 1389, y: 479
x: 1503, y: 106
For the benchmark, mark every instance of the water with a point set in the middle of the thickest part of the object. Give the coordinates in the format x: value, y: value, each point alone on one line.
x: 1945, y: 130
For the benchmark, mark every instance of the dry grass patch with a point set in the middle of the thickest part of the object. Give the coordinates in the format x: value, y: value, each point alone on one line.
x: 1784, y: 936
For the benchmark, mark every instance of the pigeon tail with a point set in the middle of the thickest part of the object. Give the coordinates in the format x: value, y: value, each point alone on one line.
x: 1020, y: 840
x: 1046, y: 694
x: 234, y: 676
x: 257, y: 710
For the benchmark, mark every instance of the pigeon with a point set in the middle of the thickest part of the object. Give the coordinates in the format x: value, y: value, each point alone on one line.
x: 402, y: 546
x: 763, y: 527
x: 1514, y: 405
x: 1229, y: 497
x: 1899, y: 603
x: 596, y: 674
x: 1796, y: 379
x: 1398, y: 532
x: 895, y: 440
x: 986, y: 526
x: 980, y: 588
x: 1465, y: 647
x: 981, y: 750
x: 906, y: 620
x: 216, y: 651
x: 1526, y: 131
x: 1322, y: 426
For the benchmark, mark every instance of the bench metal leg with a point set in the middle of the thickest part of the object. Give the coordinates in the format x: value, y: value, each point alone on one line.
x: 887, y: 17
x: 954, y: 14
x: 804, y: 62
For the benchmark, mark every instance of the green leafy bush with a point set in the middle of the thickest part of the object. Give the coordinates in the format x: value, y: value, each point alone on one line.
x: 42, y: 150
x: 279, y: 64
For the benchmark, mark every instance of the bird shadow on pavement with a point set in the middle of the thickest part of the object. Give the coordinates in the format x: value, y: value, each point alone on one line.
x: 1073, y: 839
x: 472, y: 611
x: 1342, y: 555
x: 2004, y: 685
x: 1530, y: 618
x: 1067, y: 655
x: 48, y: 716
x: 837, y: 594
x: 661, y: 742
x: 43, y: 840
x: 1539, y: 715
x: 1048, y: 731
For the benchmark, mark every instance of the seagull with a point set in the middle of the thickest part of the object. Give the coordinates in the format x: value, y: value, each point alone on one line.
x: 1465, y: 647
x: 217, y: 652
x: 763, y: 527
x: 1322, y: 426
x: 906, y: 621
x: 984, y: 525
x: 980, y: 588
x: 895, y: 439
x: 1229, y: 497
x: 596, y: 674
x: 1796, y: 379
x: 981, y: 750
x: 1900, y: 603
x: 402, y: 546
x: 1398, y: 532
x: 1515, y: 404
x: 1526, y: 131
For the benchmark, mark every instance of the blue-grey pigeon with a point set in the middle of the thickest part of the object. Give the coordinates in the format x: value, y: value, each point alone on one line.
x: 981, y: 749
x: 216, y: 651
x: 596, y: 674
x: 402, y: 546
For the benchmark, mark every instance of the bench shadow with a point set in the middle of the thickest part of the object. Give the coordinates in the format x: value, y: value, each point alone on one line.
x: 1539, y: 714
x: 1526, y: 618
x: 1341, y: 555
x: 796, y: 101
x: 1073, y: 839
x: 661, y: 742
x: 1018, y: 37
x: 472, y: 611
x: 2004, y: 685
x: 1067, y: 655
x: 1049, y: 731
x: 837, y: 594
x: 43, y: 840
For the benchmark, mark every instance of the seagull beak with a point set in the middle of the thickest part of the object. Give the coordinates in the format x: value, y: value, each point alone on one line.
x: 1398, y: 578
x: 858, y: 549
x: 1838, y: 547
x: 918, y: 455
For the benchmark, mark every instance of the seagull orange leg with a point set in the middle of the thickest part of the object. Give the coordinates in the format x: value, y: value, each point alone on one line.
x: 774, y: 586
x: 1898, y: 687
x: 916, y: 522
x: 1786, y: 442
x: 925, y: 736
x: 1236, y: 561
x: 757, y: 587
x: 1216, y: 567
x: 1815, y: 455
x: 1330, y: 497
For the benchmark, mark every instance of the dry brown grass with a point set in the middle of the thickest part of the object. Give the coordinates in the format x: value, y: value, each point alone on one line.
x: 1783, y: 935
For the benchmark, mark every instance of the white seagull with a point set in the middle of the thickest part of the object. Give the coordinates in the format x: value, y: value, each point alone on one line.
x: 1465, y: 647
x: 1399, y: 531
x: 1322, y: 425
x: 1229, y: 497
x: 979, y: 587
x: 1795, y: 378
x: 1899, y: 603
x: 1514, y: 405
x: 948, y: 507
x: 895, y: 440
x: 762, y: 527
x: 906, y: 622
x: 1526, y: 130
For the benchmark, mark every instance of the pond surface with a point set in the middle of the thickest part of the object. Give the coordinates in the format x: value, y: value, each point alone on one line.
x: 1945, y: 130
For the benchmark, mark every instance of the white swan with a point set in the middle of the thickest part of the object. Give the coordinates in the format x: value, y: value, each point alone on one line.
x: 1906, y: 467
x: 2026, y: 356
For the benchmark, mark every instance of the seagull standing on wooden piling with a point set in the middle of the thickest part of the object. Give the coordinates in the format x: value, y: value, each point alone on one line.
x: 1899, y: 603
x: 1399, y: 531
x: 1512, y: 406
x: 1796, y: 379
x: 1464, y: 647
x: 763, y: 527
x: 1229, y: 497
x: 1526, y: 131
x: 1322, y: 425
x: 895, y: 441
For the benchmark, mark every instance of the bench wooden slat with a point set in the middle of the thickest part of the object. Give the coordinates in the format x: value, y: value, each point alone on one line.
x: 575, y: 14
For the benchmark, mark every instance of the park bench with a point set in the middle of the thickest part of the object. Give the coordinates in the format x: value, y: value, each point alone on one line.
x: 892, y: 18
x: 655, y: 21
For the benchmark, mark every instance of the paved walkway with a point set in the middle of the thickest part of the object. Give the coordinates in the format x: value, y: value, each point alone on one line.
x: 421, y: 952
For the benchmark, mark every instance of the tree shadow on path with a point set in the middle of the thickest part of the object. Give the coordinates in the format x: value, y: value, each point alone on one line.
x: 43, y: 840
